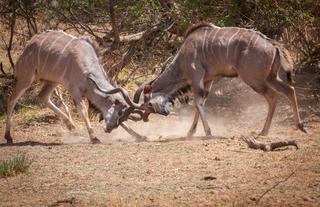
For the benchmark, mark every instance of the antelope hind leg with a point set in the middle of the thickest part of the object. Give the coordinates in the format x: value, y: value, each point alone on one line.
x: 44, y: 96
x: 21, y: 87
x: 290, y: 93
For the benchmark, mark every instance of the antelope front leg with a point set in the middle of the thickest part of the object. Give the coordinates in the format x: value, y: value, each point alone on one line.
x: 82, y: 109
x: 199, y: 107
x: 193, y: 127
x: 199, y: 95
x: 138, y: 137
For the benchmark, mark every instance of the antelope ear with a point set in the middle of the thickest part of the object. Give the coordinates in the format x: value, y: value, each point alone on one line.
x: 147, y: 89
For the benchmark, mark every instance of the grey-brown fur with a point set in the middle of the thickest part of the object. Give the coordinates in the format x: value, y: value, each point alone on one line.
x: 211, y: 52
x: 54, y: 58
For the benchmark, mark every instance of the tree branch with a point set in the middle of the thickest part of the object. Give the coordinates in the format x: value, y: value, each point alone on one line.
x: 125, y: 59
x: 12, y: 24
x: 268, y: 146
x: 1, y: 69
x: 116, y: 42
x: 86, y: 28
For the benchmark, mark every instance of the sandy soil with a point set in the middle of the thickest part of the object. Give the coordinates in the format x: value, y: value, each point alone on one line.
x: 171, y: 169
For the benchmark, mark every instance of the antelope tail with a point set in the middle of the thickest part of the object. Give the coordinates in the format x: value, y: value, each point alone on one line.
x: 286, y: 63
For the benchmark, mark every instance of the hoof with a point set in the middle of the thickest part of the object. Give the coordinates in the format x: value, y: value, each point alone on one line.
x: 208, y: 133
x: 95, y: 141
x: 263, y: 134
x: 145, y: 117
x: 208, y: 137
x: 69, y: 125
x: 302, y: 128
x: 190, y: 133
x: 8, y: 137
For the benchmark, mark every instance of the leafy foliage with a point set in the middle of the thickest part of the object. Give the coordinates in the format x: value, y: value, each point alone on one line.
x: 295, y: 23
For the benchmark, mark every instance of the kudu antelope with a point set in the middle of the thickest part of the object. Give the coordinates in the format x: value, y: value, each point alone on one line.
x: 55, y: 57
x: 210, y: 52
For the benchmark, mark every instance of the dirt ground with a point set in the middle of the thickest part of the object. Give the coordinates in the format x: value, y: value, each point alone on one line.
x: 171, y: 169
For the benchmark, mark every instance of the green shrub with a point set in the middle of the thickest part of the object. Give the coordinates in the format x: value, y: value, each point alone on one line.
x: 19, y: 164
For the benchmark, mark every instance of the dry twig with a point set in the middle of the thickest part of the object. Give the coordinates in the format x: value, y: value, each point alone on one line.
x: 268, y: 146
x: 273, y: 187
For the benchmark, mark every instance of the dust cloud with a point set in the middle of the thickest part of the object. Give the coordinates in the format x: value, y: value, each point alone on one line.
x: 232, y: 109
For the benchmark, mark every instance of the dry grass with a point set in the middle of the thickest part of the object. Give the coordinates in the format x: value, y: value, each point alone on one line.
x: 18, y: 164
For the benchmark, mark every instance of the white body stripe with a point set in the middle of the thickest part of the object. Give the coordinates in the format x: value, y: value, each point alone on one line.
x: 230, y: 41
x: 223, y: 34
x: 215, y: 35
x: 239, y: 40
x: 39, y: 50
x: 195, y: 47
x: 212, y: 40
x: 265, y: 45
x: 255, y: 40
x: 62, y: 51
x: 204, y: 41
x: 209, y: 35
x: 65, y: 68
x: 49, y: 52
x: 221, y: 37
x: 251, y: 39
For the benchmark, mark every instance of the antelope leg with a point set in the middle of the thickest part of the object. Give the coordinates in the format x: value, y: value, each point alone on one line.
x: 82, y: 109
x: 199, y: 94
x: 193, y: 127
x: 45, y: 94
x: 290, y: 93
x: 133, y: 133
x: 21, y: 87
x: 272, y: 97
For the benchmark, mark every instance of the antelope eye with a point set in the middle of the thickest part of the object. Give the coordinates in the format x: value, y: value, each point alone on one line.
x: 120, y: 112
x: 150, y: 104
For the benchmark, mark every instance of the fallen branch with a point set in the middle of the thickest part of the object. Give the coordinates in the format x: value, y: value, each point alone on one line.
x: 70, y: 201
x: 268, y: 146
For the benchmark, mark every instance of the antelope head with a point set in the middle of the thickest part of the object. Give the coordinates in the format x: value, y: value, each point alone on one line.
x: 118, y: 108
x: 154, y: 103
